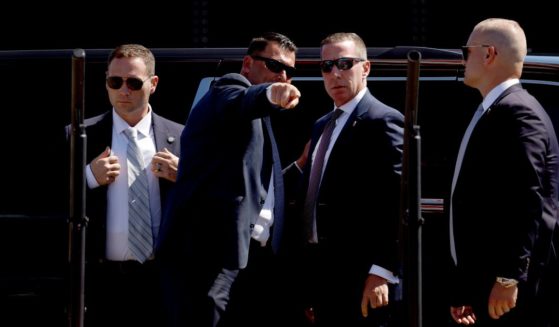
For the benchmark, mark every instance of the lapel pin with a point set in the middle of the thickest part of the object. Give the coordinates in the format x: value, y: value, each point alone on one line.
x: 170, y: 139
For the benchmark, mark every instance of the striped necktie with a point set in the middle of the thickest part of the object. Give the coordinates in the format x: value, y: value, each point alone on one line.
x: 140, y: 238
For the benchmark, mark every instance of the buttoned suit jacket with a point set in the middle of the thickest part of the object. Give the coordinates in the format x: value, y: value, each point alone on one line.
x: 220, y: 190
x: 505, y: 199
x: 358, y: 203
x: 99, y: 136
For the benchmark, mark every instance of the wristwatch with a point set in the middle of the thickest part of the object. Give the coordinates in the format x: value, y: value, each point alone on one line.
x: 506, y: 282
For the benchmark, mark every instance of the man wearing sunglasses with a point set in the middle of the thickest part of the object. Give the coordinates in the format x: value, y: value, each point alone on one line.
x: 225, y: 220
x: 352, y: 193
x: 121, y: 287
x: 504, y: 194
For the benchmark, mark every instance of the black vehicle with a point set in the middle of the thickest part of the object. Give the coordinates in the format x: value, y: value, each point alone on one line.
x: 36, y: 87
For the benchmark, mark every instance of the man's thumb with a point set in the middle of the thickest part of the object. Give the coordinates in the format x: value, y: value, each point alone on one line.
x: 106, y: 153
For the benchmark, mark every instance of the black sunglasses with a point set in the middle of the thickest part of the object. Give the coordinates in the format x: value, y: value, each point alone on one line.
x: 466, y: 49
x: 343, y: 63
x: 133, y: 83
x: 275, y: 66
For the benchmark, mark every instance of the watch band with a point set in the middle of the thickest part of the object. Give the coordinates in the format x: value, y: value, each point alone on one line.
x: 506, y: 282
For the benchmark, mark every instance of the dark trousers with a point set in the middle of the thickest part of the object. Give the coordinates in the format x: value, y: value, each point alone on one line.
x: 261, y: 294
x: 122, y: 294
x: 334, y: 286
x: 199, y: 294
x: 195, y: 292
x: 204, y: 295
x: 256, y: 299
x: 533, y: 309
x: 549, y: 287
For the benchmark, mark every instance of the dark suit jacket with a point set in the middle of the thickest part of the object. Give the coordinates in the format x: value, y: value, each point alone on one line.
x: 99, y: 136
x: 505, y: 199
x: 219, y: 191
x: 359, y: 199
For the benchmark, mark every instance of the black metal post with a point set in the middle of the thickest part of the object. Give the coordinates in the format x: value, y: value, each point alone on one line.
x: 411, y: 220
x: 78, y: 220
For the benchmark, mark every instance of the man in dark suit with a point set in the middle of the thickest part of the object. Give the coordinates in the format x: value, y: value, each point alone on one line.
x: 121, y: 288
x: 229, y: 196
x: 504, y: 191
x: 351, y: 218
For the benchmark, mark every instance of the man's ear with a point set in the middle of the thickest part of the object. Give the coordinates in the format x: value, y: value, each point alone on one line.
x: 367, y: 68
x: 247, y: 62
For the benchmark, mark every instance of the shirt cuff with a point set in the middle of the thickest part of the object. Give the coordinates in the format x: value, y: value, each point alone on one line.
x: 384, y: 273
x: 269, y: 96
x: 91, y: 181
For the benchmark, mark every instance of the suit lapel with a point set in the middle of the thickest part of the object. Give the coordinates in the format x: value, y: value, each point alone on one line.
x: 277, y: 227
x: 163, y: 137
x: 483, y: 120
x: 99, y: 136
x: 353, y: 121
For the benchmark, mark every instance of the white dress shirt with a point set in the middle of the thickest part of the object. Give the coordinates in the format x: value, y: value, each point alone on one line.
x: 261, y: 229
x: 117, y: 192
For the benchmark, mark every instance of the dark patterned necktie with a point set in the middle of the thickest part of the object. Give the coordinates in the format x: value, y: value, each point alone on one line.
x: 316, y: 175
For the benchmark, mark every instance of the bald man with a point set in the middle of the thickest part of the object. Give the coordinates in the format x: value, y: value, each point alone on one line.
x: 504, y: 192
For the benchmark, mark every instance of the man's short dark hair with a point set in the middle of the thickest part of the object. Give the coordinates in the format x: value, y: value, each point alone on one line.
x: 259, y: 43
x: 134, y: 51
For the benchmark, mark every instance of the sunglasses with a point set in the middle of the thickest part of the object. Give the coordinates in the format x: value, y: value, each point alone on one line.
x: 466, y: 49
x: 275, y: 66
x: 132, y: 83
x: 343, y: 63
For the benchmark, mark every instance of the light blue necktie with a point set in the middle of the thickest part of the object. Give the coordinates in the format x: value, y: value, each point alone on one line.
x: 140, y: 238
x: 479, y: 112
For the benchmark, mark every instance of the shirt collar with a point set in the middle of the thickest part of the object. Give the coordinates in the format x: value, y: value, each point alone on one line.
x: 497, y: 91
x: 349, y: 106
x: 143, y: 126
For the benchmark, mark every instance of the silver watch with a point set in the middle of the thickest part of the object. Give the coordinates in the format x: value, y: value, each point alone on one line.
x: 506, y: 282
